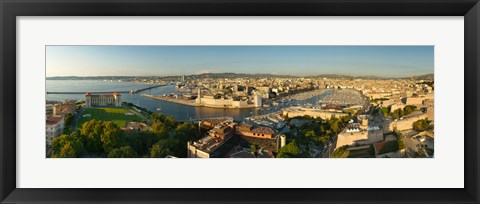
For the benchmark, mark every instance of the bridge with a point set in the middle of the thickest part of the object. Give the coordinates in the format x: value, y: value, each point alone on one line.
x: 104, y: 92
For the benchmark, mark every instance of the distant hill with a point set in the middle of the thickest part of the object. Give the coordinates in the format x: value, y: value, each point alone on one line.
x: 237, y: 75
x: 428, y: 77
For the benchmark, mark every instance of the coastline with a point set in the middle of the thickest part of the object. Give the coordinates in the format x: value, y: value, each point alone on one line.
x: 191, y: 102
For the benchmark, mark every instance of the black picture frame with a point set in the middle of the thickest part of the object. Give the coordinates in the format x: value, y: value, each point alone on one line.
x: 10, y: 9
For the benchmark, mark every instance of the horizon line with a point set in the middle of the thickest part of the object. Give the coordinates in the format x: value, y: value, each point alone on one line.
x: 316, y: 75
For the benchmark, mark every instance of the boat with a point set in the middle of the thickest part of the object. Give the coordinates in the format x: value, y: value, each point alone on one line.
x: 159, y: 109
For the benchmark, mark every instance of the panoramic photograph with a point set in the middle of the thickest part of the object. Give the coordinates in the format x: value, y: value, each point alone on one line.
x: 322, y: 102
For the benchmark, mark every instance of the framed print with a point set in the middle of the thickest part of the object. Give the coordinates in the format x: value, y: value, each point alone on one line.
x: 205, y: 101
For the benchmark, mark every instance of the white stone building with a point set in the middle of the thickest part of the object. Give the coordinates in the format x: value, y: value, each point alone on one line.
x: 54, y: 128
x: 99, y: 100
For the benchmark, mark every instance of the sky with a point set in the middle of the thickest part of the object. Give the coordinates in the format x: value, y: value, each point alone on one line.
x: 382, y: 61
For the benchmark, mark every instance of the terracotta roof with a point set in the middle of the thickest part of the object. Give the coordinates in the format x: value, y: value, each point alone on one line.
x: 263, y: 130
x: 88, y: 94
x: 53, y: 120
x: 379, y: 146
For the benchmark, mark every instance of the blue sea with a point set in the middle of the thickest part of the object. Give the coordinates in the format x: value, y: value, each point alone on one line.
x: 179, y: 111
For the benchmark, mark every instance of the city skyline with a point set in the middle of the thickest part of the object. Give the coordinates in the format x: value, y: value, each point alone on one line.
x: 380, y: 61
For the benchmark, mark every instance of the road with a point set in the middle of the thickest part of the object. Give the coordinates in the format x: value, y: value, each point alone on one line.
x: 139, y: 114
x: 413, y: 147
x: 331, y: 148
x: 77, y: 116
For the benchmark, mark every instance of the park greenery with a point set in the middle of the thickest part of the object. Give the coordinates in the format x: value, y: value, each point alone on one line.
x: 115, y: 114
x: 422, y: 125
x: 98, y: 138
x: 68, y: 122
x: 341, y: 152
x: 398, y: 113
x: 314, y: 133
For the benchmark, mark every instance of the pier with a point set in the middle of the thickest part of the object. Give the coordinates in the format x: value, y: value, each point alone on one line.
x: 172, y: 100
x: 104, y: 92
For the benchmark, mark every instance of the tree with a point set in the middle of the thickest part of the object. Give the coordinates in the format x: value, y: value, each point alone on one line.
x: 310, y: 133
x: 158, y: 152
x: 322, y: 129
x: 341, y: 152
x: 68, y: 120
x: 110, y: 137
x: 409, y: 109
x: 385, y: 111
x: 335, y: 128
x: 344, y: 119
x: 160, y: 129
x: 185, y: 132
x: 91, y: 132
x: 169, y: 121
x: 422, y: 125
x: 324, y: 139
x: 291, y: 150
x: 172, y: 147
x: 67, y: 146
x: 122, y: 152
x: 253, y: 148
x: 67, y: 151
x: 143, y: 141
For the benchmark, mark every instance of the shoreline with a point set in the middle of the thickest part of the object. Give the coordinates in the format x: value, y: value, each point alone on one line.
x: 191, y: 103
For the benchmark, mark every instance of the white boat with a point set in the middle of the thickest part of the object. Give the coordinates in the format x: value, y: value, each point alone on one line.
x: 159, y: 109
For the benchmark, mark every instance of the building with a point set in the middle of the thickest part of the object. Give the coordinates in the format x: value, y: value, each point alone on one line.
x: 416, y: 101
x: 54, y: 128
x: 430, y: 114
x: 137, y: 126
x: 354, y: 135
x: 301, y: 112
x: 258, y: 132
x: 406, y: 122
x: 99, y: 100
x: 220, y: 101
x: 199, y: 97
x: 257, y: 100
x: 215, y: 138
x: 62, y: 109
x: 397, y: 106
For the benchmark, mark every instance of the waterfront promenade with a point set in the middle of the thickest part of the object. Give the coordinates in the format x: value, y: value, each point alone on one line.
x: 192, y: 102
x: 173, y: 100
